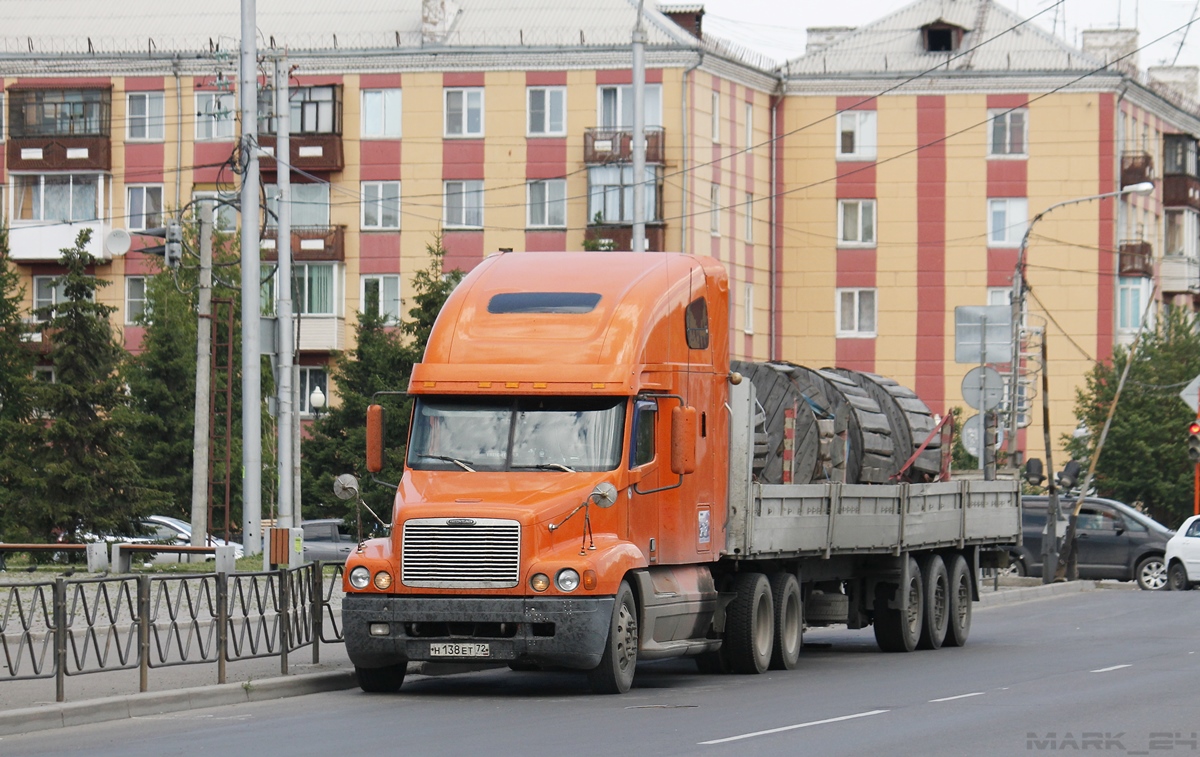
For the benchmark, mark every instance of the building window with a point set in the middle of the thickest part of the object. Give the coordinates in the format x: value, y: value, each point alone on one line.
x: 135, y: 299
x: 60, y: 112
x: 464, y: 112
x: 314, y: 110
x: 716, y: 118
x: 311, y: 378
x: 224, y: 209
x: 548, y: 203
x: 749, y: 125
x: 381, y: 205
x: 381, y: 113
x: 1006, y: 221
x: 47, y: 294
x: 2, y: 114
x: 547, y: 111
x: 1132, y: 294
x: 144, y: 116
x: 856, y: 312
x: 856, y: 135
x: 1008, y: 133
x: 143, y: 207
x: 464, y: 204
x: 856, y: 223
x: 45, y: 374
x: 309, y: 205
x: 610, y: 194
x: 313, y: 287
x: 382, y: 291
x: 748, y: 310
x: 1182, y: 233
x: 615, y: 106
x: 749, y: 216
x: 215, y: 115
x: 59, y: 198
x: 714, y: 210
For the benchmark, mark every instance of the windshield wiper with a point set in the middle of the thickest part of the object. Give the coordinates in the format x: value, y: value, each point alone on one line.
x: 546, y: 466
x: 464, y: 465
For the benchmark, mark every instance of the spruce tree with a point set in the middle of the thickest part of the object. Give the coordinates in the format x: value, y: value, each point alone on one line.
x: 17, y: 358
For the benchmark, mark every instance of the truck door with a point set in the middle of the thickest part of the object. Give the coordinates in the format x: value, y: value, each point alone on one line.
x: 644, y: 467
x: 1103, y: 547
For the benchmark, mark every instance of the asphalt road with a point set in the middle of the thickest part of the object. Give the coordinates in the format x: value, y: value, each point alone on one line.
x: 1113, y: 672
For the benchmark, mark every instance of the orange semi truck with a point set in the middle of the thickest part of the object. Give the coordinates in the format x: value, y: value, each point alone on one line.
x: 589, y: 483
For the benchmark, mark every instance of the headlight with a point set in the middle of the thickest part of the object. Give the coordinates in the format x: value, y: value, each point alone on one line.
x: 383, y: 580
x: 539, y: 582
x: 567, y: 580
x: 360, y: 577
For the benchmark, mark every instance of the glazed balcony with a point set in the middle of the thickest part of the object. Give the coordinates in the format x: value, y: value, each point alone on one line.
x: 308, y: 243
x: 606, y: 145
x: 1136, y: 258
x: 1136, y: 167
x: 310, y: 152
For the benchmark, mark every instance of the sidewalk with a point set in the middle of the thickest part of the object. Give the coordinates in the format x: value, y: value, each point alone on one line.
x: 29, y: 706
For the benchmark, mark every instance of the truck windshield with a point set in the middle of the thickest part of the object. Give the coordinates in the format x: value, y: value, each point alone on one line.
x: 563, y: 434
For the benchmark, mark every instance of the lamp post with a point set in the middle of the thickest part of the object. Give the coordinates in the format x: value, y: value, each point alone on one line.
x: 316, y: 400
x: 1018, y: 307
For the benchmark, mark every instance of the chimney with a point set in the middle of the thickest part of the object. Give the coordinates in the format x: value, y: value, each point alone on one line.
x: 1184, y: 80
x: 821, y: 37
x: 437, y: 18
x: 1112, y: 45
x: 686, y: 17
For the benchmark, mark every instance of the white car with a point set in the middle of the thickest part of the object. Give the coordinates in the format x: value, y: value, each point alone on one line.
x: 163, y: 528
x: 1183, y: 556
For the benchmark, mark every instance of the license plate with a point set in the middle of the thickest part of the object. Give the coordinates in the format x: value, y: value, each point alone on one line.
x: 460, y: 650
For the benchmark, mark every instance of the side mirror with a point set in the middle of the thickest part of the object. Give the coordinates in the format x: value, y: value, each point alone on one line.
x: 345, y: 486
x: 375, y: 438
x: 604, y: 495
x: 684, y: 430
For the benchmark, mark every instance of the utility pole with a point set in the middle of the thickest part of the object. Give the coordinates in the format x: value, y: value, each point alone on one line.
x: 283, y: 310
x: 200, y: 524
x: 1050, y: 539
x: 251, y: 293
x: 638, y: 242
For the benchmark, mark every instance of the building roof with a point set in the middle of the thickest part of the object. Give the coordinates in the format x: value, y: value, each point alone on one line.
x: 995, y: 39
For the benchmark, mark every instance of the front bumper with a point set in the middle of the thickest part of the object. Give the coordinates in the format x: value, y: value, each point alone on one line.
x: 558, y: 631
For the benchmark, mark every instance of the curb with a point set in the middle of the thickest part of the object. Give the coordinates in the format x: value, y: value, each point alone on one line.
x: 1027, y: 593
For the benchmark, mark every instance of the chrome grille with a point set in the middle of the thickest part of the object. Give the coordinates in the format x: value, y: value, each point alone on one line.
x: 461, y: 553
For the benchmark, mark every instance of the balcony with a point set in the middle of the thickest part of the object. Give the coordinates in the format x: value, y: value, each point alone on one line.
x: 44, y: 244
x: 1136, y: 258
x: 1136, y: 167
x: 1179, y: 273
x: 310, y: 152
x: 604, y: 145
x: 1181, y: 191
x: 309, y: 243
x: 322, y: 333
x: 59, y: 129
x: 620, y: 236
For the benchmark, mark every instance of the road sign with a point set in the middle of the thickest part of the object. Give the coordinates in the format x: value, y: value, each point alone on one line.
x: 972, y: 434
x: 983, y: 334
x: 983, y: 388
x: 1190, y: 396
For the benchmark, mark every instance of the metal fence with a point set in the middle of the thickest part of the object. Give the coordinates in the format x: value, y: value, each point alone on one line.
x: 61, y: 628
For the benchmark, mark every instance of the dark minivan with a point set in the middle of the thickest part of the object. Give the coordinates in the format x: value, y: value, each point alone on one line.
x: 1114, y: 541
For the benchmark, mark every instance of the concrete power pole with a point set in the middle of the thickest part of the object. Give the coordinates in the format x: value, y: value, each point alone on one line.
x: 284, y: 342
x: 251, y: 296
x: 638, y: 242
x: 200, y: 524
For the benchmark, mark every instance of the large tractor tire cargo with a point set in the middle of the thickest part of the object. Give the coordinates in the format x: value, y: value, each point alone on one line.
x: 911, y: 422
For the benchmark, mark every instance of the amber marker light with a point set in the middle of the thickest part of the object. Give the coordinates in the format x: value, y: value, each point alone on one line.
x: 383, y: 580
x: 589, y: 579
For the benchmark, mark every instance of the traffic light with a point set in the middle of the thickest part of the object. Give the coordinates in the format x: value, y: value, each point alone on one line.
x: 1194, y: 441
x: 173, y: 253
x: 1069, y: 475
x: 1033, y: 472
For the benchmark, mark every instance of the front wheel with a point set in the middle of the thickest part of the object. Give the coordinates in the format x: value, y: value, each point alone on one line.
x: 383, y: 680
x: 1151, y: 573
x: 1177, y: 578
x: 614, y: 674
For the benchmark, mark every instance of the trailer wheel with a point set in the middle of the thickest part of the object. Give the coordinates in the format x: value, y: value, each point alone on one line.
x: 614, y: 674
x: 937, y: 602
x: 960, y: 603
x: 789, y: 621
x: 383, y: 680
x: 750, y: 624
x: 898, y: 630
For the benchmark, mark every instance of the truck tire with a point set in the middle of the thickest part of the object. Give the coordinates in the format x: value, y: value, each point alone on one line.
x: 937, y: 602
x: 959, y: 625
x: 899, y: 629
x: 789, y: 621
x: 750, y: 624
x: 614, y: 674
x: 383, y: 680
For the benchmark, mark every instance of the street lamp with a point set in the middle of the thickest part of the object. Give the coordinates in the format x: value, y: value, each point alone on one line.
x: 316, y: 401
x: 1018, y: 305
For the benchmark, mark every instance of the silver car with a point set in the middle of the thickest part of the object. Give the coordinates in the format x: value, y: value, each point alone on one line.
x: 327, y: 540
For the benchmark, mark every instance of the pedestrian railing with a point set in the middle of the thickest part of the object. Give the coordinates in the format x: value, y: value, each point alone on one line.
x: 68, y: 627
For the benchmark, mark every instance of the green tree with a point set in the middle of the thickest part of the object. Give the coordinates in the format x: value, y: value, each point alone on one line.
x: 81, y: 473
x: 381, y: 361
x: 1144, y: 459
x: 16, y: 368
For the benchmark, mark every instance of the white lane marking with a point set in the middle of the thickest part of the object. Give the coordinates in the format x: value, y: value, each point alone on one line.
x: 793, y: 727
x: 1114, y: 667
x: 960, y: 696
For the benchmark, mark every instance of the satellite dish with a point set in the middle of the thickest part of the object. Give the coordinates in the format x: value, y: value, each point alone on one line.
x: 345, y: 486
x: 117, y: 242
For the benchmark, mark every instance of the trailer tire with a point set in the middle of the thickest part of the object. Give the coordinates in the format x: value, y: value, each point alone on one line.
x: 385, y: 680
x: 960, y: 603
x: 614, y: 674
x: 750, y: 624
x: 898, y: 630
x: 937, y: 602
x: 789, y: 621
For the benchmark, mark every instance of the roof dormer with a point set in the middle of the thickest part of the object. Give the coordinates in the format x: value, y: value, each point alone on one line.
x: 941, y: 37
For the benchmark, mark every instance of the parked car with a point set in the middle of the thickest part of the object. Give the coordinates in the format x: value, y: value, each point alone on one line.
x: 1114, y: 541
x: 1183, y: 556
x: 164, y: 528
x: 327, y: 540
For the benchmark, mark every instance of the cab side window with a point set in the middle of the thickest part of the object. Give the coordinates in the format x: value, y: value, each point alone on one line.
x: 696, y: 322
x: 644, y: 414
